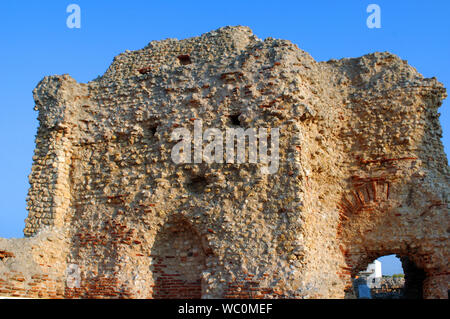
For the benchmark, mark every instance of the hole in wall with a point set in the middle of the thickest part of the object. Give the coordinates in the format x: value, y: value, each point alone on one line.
x: 197, y: 184
x: 150, y: 127
x: 184, y: 59
x: 122, y: 137
x: 153, y: 129
x: 390, y: 277
x: 5, y: 254
x: 234, y: 119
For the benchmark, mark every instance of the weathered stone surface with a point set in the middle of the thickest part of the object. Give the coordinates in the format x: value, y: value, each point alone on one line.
x: 362, y: 174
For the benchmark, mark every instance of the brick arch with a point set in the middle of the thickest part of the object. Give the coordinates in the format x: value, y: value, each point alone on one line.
x: 371, y: 226
x: 178, y: 260
x: 368, y: 194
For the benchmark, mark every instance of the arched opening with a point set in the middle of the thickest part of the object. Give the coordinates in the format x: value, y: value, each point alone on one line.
x: 178, y: 261
x: 389, y: 277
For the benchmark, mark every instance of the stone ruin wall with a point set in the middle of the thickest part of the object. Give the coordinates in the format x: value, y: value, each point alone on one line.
x: 362, y: 174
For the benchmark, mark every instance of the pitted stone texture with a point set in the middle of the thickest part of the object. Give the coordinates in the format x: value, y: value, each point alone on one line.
x: 362, y: 171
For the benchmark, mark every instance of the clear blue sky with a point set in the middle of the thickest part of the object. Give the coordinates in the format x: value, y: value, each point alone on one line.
x: 36, y: 42
x: 390, y: 265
